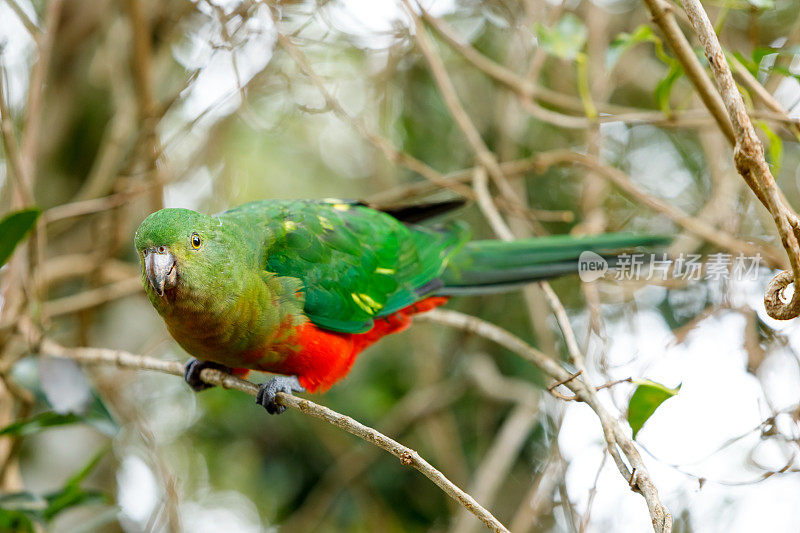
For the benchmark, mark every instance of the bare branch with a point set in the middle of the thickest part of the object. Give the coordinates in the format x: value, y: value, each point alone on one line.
x: 22, y: 192
x: 92, y: 298
x: 33, y: 115
x: 616, y: 439
x: 23, y: 17
x: 749, y: 159
x: 693, y: 224
x: 448, y: 91
x: 407, y: 456
x: 663, y: 17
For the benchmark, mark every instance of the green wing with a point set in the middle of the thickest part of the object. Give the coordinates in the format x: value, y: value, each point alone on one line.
x: 356, y: 263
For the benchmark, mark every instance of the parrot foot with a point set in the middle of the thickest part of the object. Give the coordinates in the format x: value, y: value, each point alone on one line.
x: 268, y: 390
x: 192, y: 373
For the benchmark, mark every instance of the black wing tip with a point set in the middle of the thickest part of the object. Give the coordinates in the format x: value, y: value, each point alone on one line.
x: 412, y: 213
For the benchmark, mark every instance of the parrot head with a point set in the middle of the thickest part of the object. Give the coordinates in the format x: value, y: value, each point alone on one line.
x: 182, y: 251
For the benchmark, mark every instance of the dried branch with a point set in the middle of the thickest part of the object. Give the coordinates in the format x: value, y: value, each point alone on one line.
x: 22, y: 191
x: 497, y: 461
x: 616, y: 439
x: 33, y: 115
x: 92, y: 298
x: 23, y: 17
x: 663, y: 17
x: 484, y: 156
x: 751, y: 164
x: 692, y: 224
x: 407, y: 456
x: 738, y: 129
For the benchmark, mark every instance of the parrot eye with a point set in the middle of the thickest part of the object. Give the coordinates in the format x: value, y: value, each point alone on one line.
x: 195, y: 241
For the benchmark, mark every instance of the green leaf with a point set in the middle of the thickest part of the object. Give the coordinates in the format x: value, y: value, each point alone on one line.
x: 15, y: 521
x: 77, y: 478
x: 13, y: 229
x: 775, y: 149
x: 98, y: 417
x: 664, y: 87
x: 642, y: 34
x: 73, y: 497
x: 645, y: 400
x: 565, y: 39
x: 749, y: 64
x: 762, y: 52
x: 39, y: 422
x: 625, y: 41
x: 71, y: 494
x: 17, y: 510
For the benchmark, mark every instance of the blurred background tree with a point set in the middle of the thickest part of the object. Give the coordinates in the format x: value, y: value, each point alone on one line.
x: 583, y: 119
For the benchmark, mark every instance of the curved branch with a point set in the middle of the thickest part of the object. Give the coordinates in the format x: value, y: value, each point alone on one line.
x: 748, y: 151
x: 749, y: 155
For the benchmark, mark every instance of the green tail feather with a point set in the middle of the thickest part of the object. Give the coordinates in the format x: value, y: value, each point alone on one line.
x: 491, y: 266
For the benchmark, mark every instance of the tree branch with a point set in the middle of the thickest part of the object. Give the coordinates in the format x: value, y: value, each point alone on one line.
x: 616, y: 439
x: 664, y: 19
x: 482, y: 153
x: 407, y: 456
x: 750, y: 162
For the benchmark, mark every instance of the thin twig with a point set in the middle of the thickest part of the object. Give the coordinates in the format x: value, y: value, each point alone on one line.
x: 497, y: 461
x: 592, y: 492
x: 22, y: 192
x: 33, y: 117
x: 693, y: 224
x: 484, y: 156
x: 23, y: 17
x: 92, y: 298
x: 564, y: 381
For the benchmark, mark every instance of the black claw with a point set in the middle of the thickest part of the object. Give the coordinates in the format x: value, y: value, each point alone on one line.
x: 268, y: 391
x: 192, y: 374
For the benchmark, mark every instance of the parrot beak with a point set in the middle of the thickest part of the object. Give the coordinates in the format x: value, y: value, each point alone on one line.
x: 161, y: 270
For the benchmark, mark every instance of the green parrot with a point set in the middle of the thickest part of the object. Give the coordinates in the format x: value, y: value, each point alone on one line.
x: 300, y: 287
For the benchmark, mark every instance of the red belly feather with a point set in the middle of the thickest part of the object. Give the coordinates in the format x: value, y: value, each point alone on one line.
x: 325, y: 356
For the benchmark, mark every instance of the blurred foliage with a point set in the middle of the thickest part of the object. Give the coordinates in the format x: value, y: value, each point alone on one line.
x: 226, y: 116
x: 20, y: 511
x: 13, y: 228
